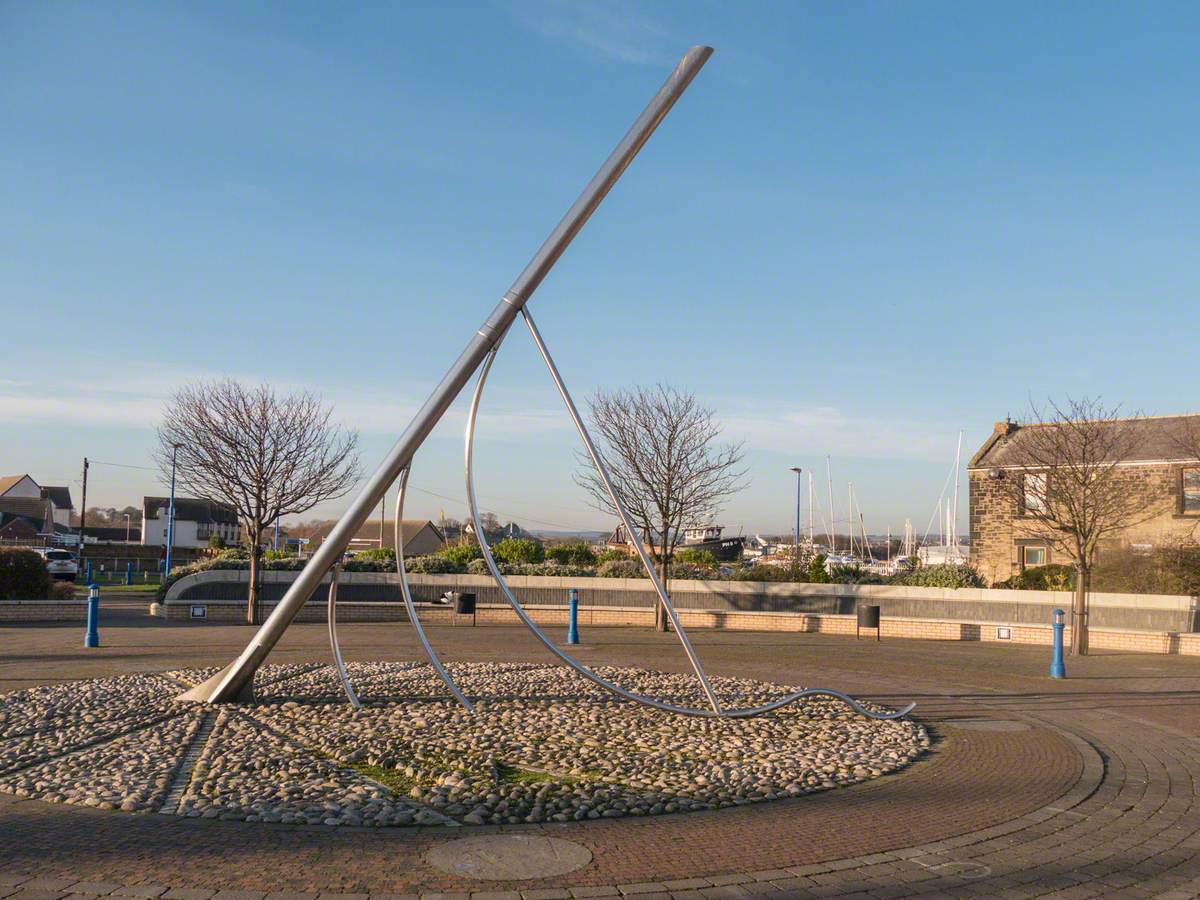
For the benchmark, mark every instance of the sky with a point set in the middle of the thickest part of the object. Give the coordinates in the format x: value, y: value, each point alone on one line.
x: 865, y: 227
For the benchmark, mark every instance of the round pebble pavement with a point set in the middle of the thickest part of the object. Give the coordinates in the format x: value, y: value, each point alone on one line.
x: 543, y: 746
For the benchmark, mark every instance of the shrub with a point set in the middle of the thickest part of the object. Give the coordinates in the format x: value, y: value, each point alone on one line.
x: 433, y: 565
x: 62, y: 590
x: 281, y: 564
x: 611, y: 555
x: 572, y: 553
x: 691, y: 556
x: 518, y: 550
x: 216, y: 542
x: 816, y: 570
x: 1053, y: 577
x: 23, y: 575
x: 273, y: 554
x: 233, y: 553
x: 384, y: 555
x: 852, y: 575
x: 942, y: 576
x: 694, y: 572
x: 461, y: 553
x: 477, y: 567
x: 621, y: 568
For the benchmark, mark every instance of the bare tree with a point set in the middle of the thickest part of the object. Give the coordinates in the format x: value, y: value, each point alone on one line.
x: 263, y: 454
x: 1071, y: 490
x: 660, y: 448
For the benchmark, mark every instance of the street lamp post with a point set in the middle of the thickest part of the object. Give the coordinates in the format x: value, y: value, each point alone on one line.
x: 171, y: 513
x: 796, y: 544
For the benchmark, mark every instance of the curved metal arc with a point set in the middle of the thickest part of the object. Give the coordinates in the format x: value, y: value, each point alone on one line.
x: 412, y: 607
x: 334, y: 645
x: 580, y: 667
x: 602, y: 471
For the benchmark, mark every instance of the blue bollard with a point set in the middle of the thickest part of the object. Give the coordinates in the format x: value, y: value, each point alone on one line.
x: 1057, y: 669
x: 129, y: 573
x: 573, y: 621
x: 92, y: 638
x: 88, y: 577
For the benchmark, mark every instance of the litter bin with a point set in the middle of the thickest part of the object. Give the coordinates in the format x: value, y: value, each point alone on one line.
x: 868, y: 617
x: 464, y: 605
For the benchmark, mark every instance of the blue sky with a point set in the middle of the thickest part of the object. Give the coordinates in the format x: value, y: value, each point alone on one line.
x: 865, y: 227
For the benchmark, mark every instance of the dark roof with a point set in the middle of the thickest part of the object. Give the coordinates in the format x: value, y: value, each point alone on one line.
x: 1155, y: 439
x: 31, y: 509
x: 112, y: 533
x: 190, y: 509
x: 60, y: 496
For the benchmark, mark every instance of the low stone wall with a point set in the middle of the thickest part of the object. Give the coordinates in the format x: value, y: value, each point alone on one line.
x: 1140, y: 612
x: 43, y: 611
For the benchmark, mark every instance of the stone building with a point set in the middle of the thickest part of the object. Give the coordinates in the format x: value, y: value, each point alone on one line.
x: 1158, y: 469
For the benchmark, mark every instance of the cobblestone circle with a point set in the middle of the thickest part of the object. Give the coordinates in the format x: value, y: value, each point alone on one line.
x: 543, y: 746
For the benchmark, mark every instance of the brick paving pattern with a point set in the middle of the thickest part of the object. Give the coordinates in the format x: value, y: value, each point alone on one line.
x: 1096, y: 797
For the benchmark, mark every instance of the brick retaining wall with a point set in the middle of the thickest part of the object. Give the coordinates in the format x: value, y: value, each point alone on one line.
x: 43, y: 610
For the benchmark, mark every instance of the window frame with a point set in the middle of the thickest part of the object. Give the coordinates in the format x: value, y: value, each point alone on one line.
x: 1041, y: 548
x: 1183, y: 491
x: 1026, y: 509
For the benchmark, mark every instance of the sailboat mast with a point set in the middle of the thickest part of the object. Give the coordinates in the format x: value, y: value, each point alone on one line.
x: 810, y: 512
x: 850, y: 514
x: 832, y: 521
x: 957, y: 486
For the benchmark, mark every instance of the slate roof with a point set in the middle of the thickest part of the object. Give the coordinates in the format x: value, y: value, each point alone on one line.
x: 1156, y: 439
x: 60, y: 496
x: 190, y: 509
x: 409, y: 529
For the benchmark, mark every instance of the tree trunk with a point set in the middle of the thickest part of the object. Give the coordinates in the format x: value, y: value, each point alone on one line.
x: 660, y: 611
x: 1079, y: 613
x: 252, y: 597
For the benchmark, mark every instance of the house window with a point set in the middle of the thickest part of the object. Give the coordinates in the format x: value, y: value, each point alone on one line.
x: 1034, y: 492
x: 1191, y: 489
x: 1032, y: 556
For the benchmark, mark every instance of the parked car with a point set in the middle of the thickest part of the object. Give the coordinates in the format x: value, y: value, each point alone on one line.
x: 60, y: 563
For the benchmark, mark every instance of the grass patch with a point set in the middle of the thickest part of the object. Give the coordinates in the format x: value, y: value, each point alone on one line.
x: 517, y: 775
x: 392, y: 779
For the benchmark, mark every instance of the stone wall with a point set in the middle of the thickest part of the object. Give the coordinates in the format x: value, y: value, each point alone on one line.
x: 43, y: 610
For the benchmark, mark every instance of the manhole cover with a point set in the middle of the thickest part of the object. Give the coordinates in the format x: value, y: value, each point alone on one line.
x: 508, y: 857
x: 989, y: 725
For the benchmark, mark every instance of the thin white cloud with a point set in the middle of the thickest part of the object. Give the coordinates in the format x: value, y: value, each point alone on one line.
x: 617, y: 31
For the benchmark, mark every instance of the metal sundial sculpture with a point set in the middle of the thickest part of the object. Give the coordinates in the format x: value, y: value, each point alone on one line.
x: 235, y: 680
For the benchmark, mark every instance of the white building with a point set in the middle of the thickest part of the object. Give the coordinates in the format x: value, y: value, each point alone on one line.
x: 196, y: 521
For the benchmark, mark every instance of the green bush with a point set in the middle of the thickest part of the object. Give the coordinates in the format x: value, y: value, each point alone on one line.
x: 816, y: 570
x: 385, y: 555
x: 461, y: 553
x: 23, y: 575
x: 550, y: 568
x: 233, y: 553
x: 611, y: 554
x: 692, y: 556
x: 852, y: 575
x: 572, y: 553
x: 477, y: 567
x: 621, y: 568
x: 216, y: 542
x: 941, y: 576
x: 433, y: 565
x: 518, y: 550
x: 62, y: 590
x: 1053, y: 577
x: 693, y: 572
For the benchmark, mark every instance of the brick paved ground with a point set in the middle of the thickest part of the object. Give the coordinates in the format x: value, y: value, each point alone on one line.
x: 1095, y: 797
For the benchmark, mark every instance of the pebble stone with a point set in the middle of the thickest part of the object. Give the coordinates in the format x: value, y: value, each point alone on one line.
x: 544, y: 745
